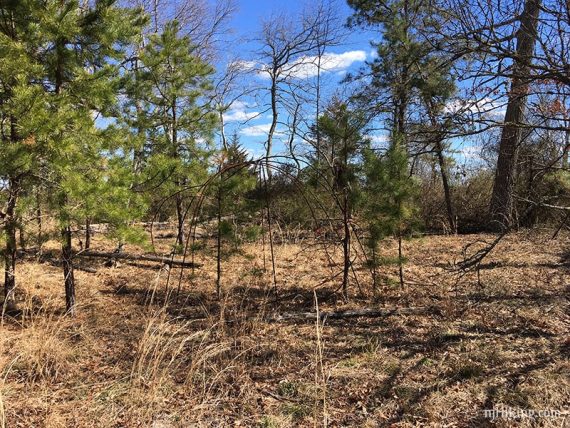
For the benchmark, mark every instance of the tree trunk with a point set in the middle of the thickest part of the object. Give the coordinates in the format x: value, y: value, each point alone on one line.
x: 66, y: 250
x: 374, y: 272
x: 353, y: 313
x: 180, y: 238
x: 21, y: 235
x: 87, y: 233
x: 167, y: 260
x: 346, y: 247
x: 400, y: 260
x: 565, y: 151
x: 318, y: 108
x: 270, y: 230
x: 274, y: 119
x: 67, y: 262
x: 11, y: 247
x: 268, y: 173
x: 219, y: 242
x: 446, y: 188
x: 39, y: 220
x: 502, y: 200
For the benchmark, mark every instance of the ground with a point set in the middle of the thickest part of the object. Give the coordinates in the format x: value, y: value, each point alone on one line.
x: 495, y: 336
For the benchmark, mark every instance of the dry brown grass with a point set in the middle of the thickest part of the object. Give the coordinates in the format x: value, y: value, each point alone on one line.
x: 499, y: 337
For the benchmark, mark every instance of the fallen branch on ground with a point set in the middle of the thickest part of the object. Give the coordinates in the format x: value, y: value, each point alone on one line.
x: 148, y: 258
x: 85, y: 269
x: 354, y: 313
x: 477, y: 258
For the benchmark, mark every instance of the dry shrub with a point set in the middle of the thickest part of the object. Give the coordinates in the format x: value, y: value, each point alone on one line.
x: 219, y: 361
x: 471, y: 201
x: 159, y: 350
x: 205, y: 360
x: 42, y: 353
x: 167, y: 345
x: 2, y: 407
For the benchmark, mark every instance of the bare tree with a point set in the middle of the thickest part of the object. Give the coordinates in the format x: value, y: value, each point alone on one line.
x: 292, y: 52
x: 205, y: 22
x: 512, y: 55
x: 230, y: 87
x: 502, y: 200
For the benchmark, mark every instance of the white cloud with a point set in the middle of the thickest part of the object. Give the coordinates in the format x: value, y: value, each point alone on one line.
x: 471, y: 152
x: 259, y: 130
x: 256, y: 130
x: 486, y: 107
x: 379, y: 139
x: 240, y: 105
x: 245, y: 65
x: 307, y: 66
x: 239, y: 115
x: 238, y: 112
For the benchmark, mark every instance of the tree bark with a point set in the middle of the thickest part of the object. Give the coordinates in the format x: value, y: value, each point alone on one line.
x: 10, y: 254
x: 66, y: 249
x: 400, y: 260
x: 21, y: 234
x: 274, y: 119
x: 180, y: 238
x: 374, y: 272
x: 39, y: 219
x: 346, y: 247
x: 219, y: 240
x: 87, y: 233
x: 502, y: 200
x: 343, y: 184
x: 67, y: 262
x: 270, y: 229
x: 134, y: 257
x: 446, y: 187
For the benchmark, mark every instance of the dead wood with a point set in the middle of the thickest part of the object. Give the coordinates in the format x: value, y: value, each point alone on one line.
x: 167, y: 260
x: 353, y: 313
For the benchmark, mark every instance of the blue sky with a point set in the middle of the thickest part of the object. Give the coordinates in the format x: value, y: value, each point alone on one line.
x: 251, y: 12
x: 249, y: 116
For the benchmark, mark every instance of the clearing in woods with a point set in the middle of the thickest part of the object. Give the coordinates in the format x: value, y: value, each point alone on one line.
x: 494, y: 337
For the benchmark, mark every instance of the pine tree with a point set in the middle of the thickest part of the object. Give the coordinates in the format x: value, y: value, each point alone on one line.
x: 22, y: 116
x: 82, y: 46
x: 342, y: 142
x: 168, y: 107
x: 235, y: 180
x: 397, y: 68
x: 389, y: 206
x: 398, y: 76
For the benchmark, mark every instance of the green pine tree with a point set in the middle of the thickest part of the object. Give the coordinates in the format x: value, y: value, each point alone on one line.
x: 342, y: 143
x: 81, y: 48
x: 168, y: 108
x: 235, y: 179
x: 389, y: 207
x: 22, y: 114
x: 403, y: 71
